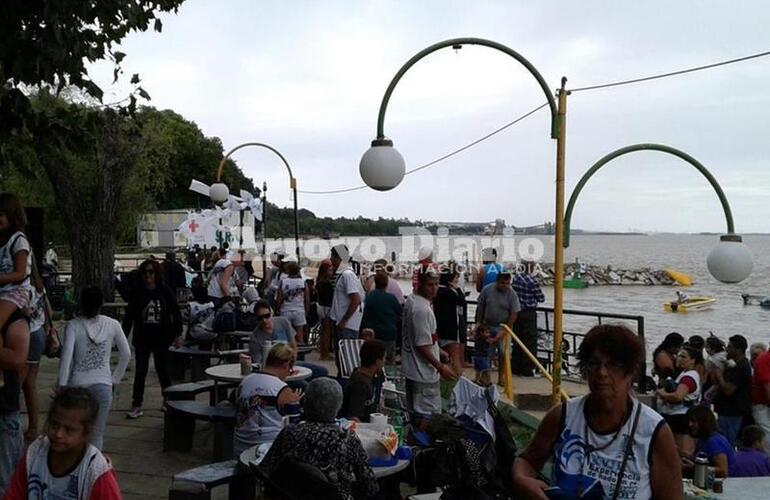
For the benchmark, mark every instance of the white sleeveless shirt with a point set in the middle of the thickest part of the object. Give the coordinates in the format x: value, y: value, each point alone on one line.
x: 689, y: 400
x: 16, y: 243
x: 258, y: 419
x: 584, y: 468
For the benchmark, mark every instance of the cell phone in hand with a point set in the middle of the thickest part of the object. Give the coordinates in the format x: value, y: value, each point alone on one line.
x: 555, y: 493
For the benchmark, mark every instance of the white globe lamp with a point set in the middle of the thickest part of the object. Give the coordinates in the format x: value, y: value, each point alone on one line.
x: 730, y: 261
x: 382, y: 167
x: 219, y: 193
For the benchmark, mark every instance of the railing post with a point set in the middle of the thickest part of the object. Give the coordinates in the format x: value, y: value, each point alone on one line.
x: 643, y: 369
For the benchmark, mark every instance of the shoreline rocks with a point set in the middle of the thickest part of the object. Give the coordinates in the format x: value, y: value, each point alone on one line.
x: 601, y: 276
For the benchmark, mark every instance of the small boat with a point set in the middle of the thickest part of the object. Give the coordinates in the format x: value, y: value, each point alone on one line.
x: 679, y: 277
x: 691, y: 304
x: 762, y: 300
x: 576, y: 281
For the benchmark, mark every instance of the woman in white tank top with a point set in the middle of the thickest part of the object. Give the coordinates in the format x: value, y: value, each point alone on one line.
x: 681, y: 394
x: 605, y: 445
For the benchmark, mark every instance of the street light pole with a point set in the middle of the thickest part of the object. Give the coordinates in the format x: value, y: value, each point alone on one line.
x: 220, y: 188
x: 730, y: 261
x: 382, y: 167
x: 264, y: 230
x: 558, y: 283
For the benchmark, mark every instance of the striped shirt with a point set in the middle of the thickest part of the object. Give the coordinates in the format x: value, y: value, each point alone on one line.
x: 528, y: 290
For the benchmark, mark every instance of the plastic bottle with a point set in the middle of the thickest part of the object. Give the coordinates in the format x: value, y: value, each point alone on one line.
x: 700, y: 473
x: 398, y: 427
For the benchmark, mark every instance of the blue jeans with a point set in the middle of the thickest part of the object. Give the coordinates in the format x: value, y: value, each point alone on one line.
x: 102, y: 393
x: 347, y: 334
x: 11, y: 447
x: 729, y: 427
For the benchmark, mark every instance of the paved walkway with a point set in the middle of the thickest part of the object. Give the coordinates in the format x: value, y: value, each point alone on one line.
x: 136, y: 446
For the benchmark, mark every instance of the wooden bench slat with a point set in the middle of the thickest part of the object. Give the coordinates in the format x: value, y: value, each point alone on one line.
x: 211, y: 475
x: 201, y: 411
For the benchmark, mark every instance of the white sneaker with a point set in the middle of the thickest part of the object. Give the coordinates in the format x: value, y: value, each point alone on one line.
x: 135, y: 412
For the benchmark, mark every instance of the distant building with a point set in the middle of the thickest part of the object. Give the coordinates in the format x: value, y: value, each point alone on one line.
x: 161, y: 229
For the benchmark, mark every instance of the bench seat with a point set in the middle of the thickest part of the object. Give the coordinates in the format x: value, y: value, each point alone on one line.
x: 179, y: 426
x: 197, y: 483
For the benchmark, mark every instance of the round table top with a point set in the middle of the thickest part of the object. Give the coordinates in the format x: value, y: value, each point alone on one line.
x: 249, y: 456
x: 231, y: 372
x: 194, y: 351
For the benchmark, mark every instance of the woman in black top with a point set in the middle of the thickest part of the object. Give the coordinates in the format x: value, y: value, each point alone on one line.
x: 324, y: 289
x: 450, y: 309
x: 153, y: 313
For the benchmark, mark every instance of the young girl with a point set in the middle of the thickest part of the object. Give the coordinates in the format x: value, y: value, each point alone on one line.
x: 15, y: 262
x: 482, y: 359
x: 293, y: 297
x: 85, y: 357
x: 62, y: 464
x: 40, y: 326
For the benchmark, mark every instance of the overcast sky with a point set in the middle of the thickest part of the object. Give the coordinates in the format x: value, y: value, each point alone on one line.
x: 308, y: 76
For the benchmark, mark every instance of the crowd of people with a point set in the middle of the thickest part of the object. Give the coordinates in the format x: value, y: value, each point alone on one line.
x: 715, y: 397
x: 712, y: 399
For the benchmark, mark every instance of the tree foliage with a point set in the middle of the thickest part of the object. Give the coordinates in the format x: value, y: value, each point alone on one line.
x: 87, y: 154
x: 50, y: 43
x: 169, y: 151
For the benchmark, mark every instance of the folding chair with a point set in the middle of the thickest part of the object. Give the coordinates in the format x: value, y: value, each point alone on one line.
x: 348, y: 357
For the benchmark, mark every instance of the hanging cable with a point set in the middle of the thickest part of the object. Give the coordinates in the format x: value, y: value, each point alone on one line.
x: 442, y: 158
x: 579, y: 89
x: 482, y: 139
x: 672, y: 73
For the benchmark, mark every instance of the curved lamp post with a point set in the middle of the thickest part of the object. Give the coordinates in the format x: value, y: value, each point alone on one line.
x: 382, y: 167
x: 220, y: 192
x: 730, y: 261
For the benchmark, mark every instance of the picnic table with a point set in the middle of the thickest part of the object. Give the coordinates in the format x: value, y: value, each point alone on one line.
x: 199, y: 360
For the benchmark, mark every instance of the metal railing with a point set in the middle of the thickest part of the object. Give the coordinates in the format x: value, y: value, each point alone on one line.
x: 572, y: 336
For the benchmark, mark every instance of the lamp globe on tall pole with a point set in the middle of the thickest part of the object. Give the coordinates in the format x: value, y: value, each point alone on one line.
x: 730, y: 261
x: 382, y: 167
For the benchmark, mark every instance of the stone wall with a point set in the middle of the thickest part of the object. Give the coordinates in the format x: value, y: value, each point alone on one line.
x: 596, y: 275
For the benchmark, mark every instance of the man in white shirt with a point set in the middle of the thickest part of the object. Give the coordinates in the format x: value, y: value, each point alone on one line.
x: 420, y: 354
x: 347, y: 303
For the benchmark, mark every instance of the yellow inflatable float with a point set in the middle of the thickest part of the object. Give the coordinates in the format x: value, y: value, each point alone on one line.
x: 681, y: 278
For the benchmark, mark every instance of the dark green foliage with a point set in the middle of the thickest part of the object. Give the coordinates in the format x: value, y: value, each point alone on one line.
x: 88, y: 154
x: 50, y: 42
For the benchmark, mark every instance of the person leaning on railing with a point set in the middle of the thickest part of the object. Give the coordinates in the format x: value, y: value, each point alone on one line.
x: 606, y: 441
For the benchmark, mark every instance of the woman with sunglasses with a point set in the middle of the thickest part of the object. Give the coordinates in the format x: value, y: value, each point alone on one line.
x: 606, y: 442
x: 153, y: 313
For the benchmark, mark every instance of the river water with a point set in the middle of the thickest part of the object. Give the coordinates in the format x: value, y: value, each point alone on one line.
x: 686, y: 253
